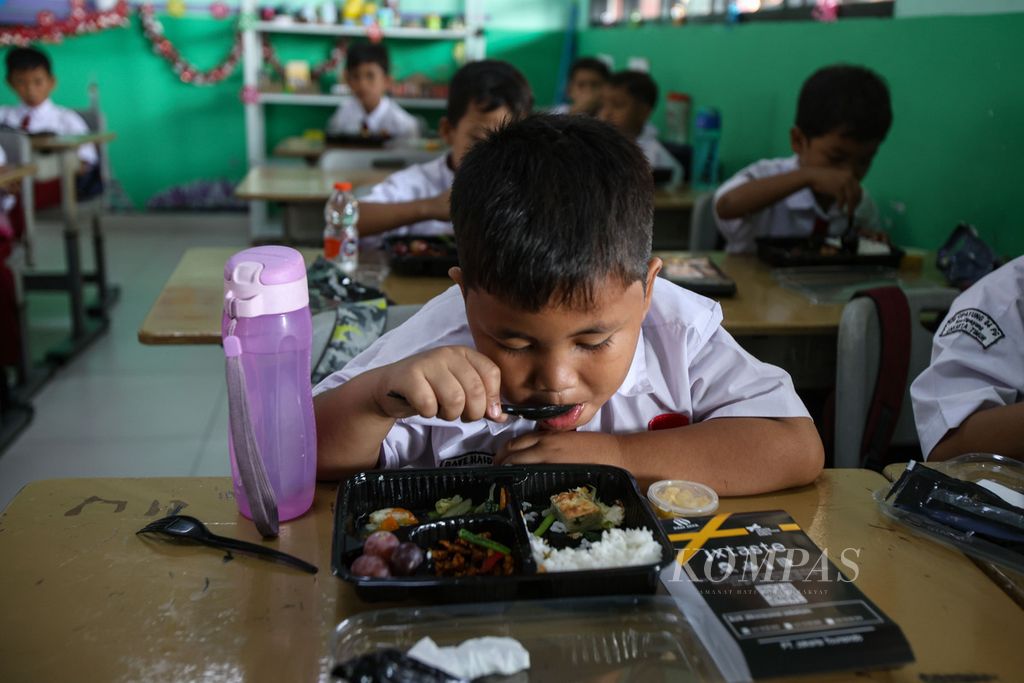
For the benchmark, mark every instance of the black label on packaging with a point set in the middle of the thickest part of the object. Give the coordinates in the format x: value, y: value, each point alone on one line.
x: 780, y: 597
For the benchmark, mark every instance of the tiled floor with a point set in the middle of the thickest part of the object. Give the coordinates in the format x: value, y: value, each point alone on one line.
x: 121, y: 408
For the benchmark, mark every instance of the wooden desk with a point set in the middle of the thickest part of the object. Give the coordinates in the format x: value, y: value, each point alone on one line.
x: 65, y: 143
x: 299, y: 147
x: 300, y: 183
x: 188, y: 310
x: 13, y: 173
x: 1010, y: 581
x: 81, y: 593
x: 674, y: 199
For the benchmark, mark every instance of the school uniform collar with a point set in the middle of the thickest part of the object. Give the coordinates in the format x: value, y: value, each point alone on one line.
x: 379, y: 112
x: 40, y: 108
x: 636, y: 382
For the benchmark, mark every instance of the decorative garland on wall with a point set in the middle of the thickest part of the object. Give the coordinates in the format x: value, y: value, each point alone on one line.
x: 79, y: 22
x: 187, y: 72
x: 153, y: 29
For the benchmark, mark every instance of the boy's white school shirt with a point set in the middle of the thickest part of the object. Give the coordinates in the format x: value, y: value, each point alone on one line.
x: 977, y: 356
x: 52, y: 118
x: 793, y: 216
x: 387, y: 118
x: 419, y: 181
x: 685, y: 366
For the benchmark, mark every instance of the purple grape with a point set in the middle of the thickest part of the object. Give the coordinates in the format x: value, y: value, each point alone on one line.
x: 370, y: 565
x: 381, y: 544
x: 406, y: 558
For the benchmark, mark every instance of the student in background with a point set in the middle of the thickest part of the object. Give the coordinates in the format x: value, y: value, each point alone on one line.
x: 587, y: 79
x: 370, y: 111
x: 414, y: 200
x: 558, y: 302
x: 971, y: 398
x: 842, y: 117
x: 627, y: 103
x: 30, y: 76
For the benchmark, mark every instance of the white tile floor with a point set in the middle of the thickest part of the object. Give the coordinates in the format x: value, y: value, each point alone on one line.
x: 123, y: 409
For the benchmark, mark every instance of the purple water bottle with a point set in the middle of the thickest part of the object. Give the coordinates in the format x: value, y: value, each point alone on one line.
x: 267, y: 333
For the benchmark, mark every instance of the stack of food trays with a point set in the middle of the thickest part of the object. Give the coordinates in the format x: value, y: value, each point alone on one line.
x: 497, y: 533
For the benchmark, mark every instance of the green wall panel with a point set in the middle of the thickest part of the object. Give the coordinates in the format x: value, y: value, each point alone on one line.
x: 957, y: 142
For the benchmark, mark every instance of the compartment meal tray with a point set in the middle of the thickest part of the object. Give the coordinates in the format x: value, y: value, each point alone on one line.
x: 797, y: 251
x: 418, y: 489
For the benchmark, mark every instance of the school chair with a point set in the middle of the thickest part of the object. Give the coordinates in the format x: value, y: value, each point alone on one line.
x: 883, y: 345
x: 73, y: 214
x: 704, y: 235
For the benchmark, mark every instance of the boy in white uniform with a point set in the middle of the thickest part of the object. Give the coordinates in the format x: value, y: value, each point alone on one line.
x: 30, y: 75
x: 370, y: 111
x: 971, y: 398
x: 842, y: 117
x: 414, y: 200
x: 627, y: 103
x: 557, y: 302
x: 587, y: 78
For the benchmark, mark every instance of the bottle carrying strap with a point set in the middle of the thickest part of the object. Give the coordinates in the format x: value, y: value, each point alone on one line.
x: 255, y: 484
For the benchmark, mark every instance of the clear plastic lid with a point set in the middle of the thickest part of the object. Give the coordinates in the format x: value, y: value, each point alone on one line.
x: 679, y: 498
x: 610, y: 638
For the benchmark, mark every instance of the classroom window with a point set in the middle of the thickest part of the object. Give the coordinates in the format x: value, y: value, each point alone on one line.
x: 616, y: 12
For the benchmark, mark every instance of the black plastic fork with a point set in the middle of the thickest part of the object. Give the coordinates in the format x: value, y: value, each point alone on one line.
x: 190, y: 528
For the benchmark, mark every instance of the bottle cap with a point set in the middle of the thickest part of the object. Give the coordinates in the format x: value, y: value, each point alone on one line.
x: 708, y: 118
x: 678, y: 97
x: 344, y: 186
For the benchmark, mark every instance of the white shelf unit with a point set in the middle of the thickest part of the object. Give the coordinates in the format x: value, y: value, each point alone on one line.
x: 332, y: 99
x: 252, y: 58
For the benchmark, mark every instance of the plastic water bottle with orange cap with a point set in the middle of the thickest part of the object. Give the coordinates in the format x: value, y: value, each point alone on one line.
x: 341, y: 234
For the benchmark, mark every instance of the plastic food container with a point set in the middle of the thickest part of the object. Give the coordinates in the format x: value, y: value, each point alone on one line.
x: 529, y: 490
x: 678, y: 498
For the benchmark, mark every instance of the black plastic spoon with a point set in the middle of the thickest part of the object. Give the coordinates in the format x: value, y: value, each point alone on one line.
x: 524, y: 411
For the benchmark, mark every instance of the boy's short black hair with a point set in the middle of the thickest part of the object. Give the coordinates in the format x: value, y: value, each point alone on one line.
x: 547, y: 209
x: 489, y: 84
x: 639, y: 85
x: 368, y: 53
x: 851, y: 100
x: 26, y: 59
x: 590, y: 64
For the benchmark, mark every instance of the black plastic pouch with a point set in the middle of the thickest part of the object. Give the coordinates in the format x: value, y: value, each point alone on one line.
x: 961, y: 505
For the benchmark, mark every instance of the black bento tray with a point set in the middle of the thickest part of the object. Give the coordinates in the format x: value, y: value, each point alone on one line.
x: 418, y: 489
x: 419, y: 265
x: 799, y: 251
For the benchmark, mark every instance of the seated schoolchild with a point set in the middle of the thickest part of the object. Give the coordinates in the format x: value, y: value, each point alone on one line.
x: 842, y: 117
x: 557, y: 301
x: 627, y: 103
x: 587, y: 78
x: 970, y: 399
x: 481, y: 96
x: 369, y: 111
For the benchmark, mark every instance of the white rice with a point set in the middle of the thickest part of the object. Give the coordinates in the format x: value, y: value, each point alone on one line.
x: 617, y: 548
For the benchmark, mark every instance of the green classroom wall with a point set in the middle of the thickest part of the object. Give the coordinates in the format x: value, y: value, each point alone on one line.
x: 957, y: 143
x: 171, y: 133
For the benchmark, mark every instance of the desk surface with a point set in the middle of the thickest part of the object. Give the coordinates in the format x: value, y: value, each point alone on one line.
x: 311, y: 184
x: 188, y: 309
x: 301, y: 183
x: 12, y: 173
x: 82, y: 593
x: 308, y: 148
x: 58, y: 143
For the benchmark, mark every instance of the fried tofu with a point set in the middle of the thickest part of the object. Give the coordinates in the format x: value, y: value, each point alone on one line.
x: 577, y: 510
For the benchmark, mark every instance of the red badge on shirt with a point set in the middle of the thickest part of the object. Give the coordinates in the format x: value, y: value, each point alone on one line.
x: 668, y: 421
